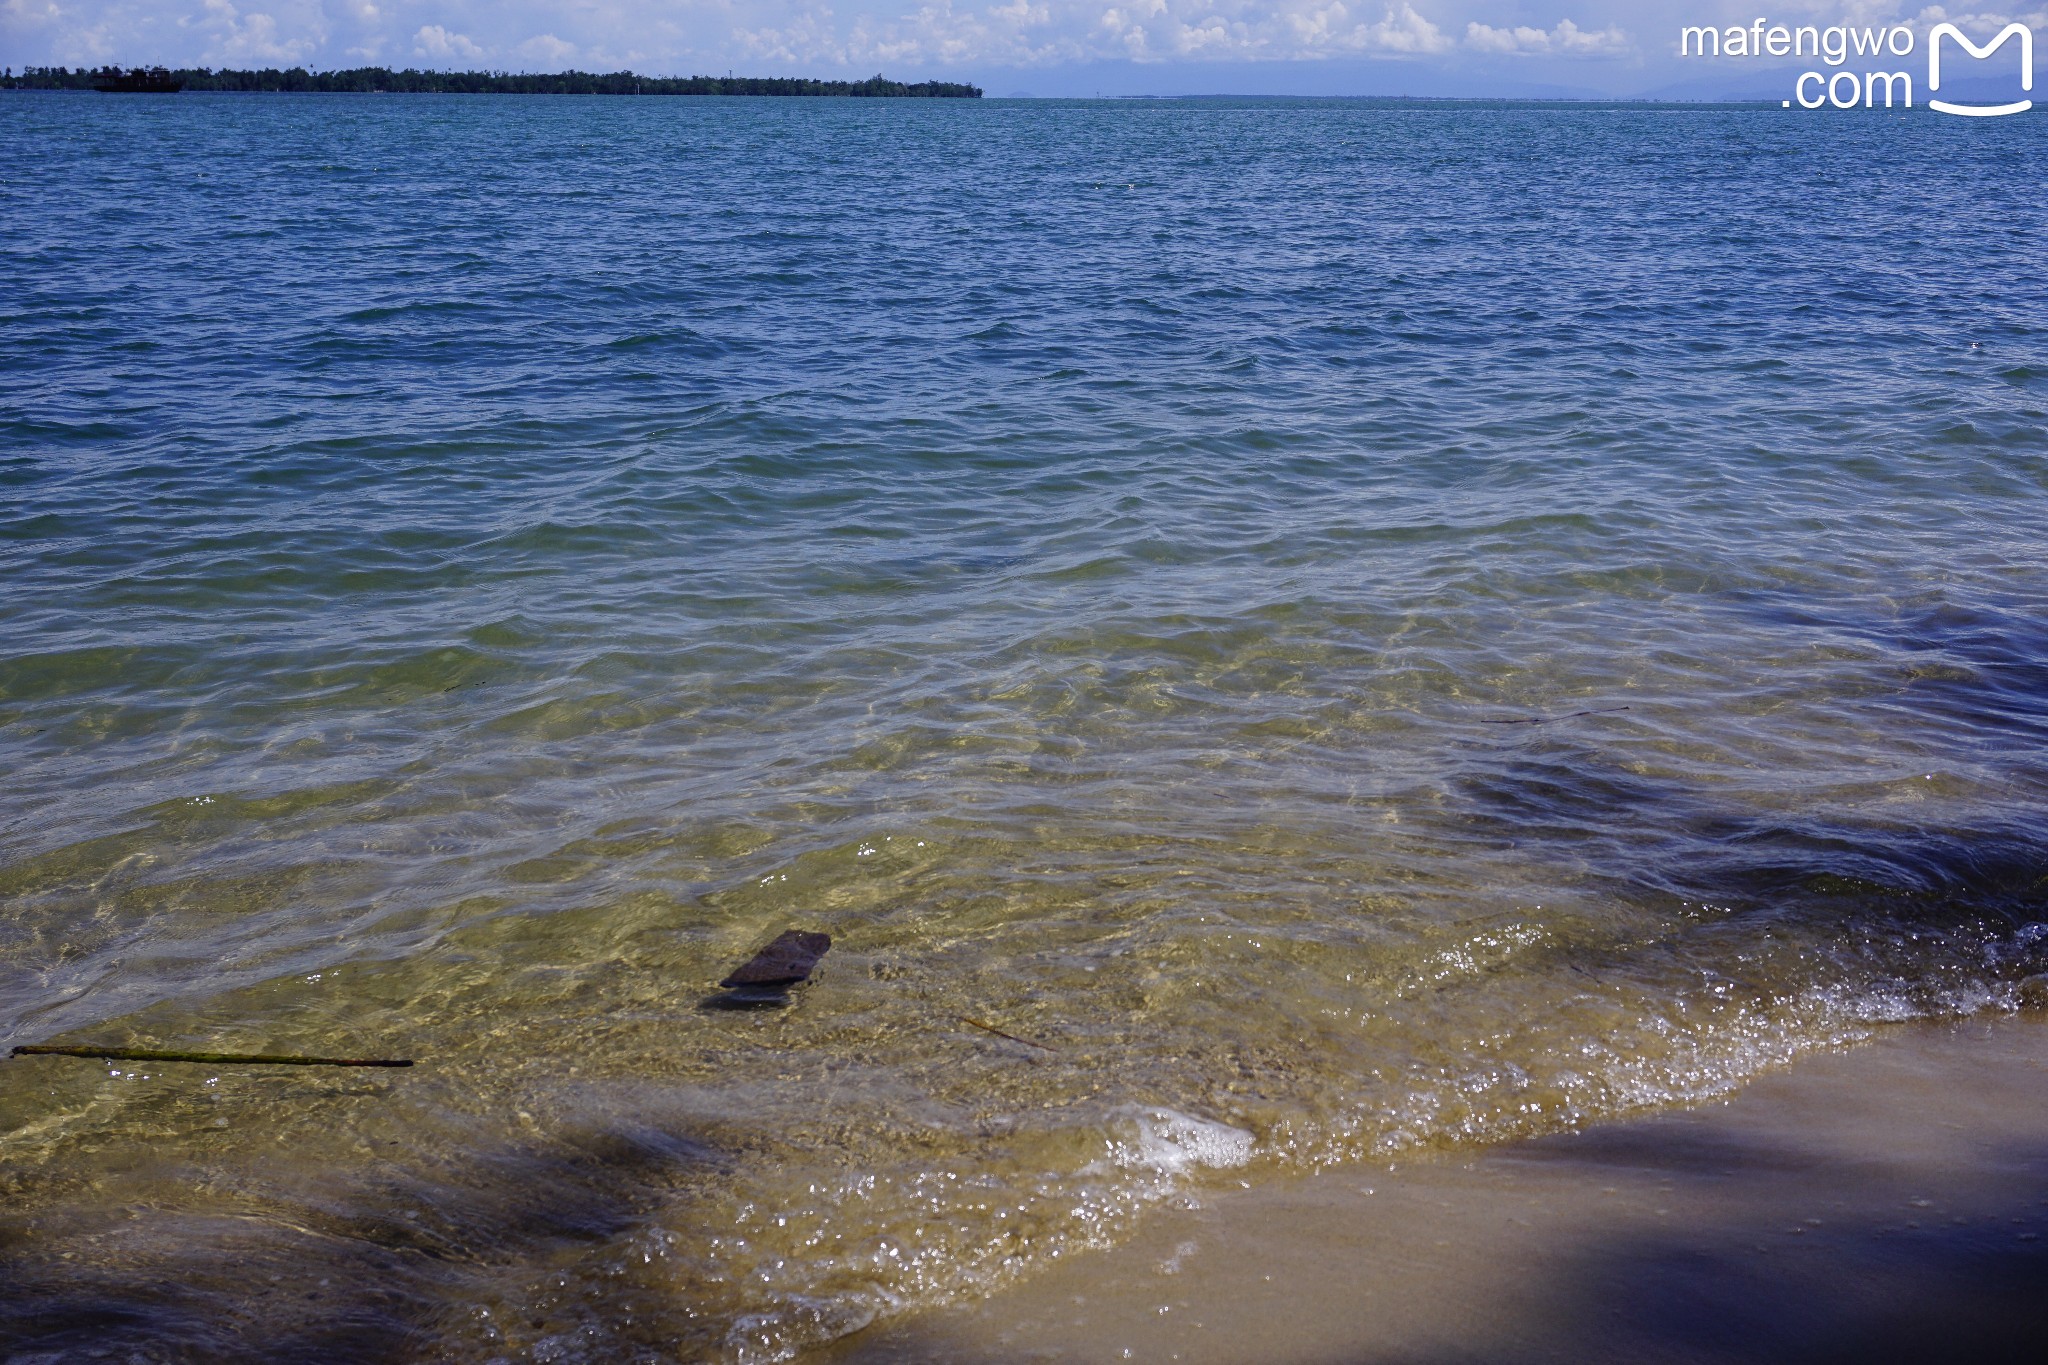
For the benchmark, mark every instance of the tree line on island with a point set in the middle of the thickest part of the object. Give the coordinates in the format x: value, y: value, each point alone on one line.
x: 377, y: 80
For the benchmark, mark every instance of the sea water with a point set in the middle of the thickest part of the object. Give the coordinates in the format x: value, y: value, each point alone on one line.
x: 1340, y: 627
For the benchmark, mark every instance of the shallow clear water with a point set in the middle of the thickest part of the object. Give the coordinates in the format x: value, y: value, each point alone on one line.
x: 476, y: 568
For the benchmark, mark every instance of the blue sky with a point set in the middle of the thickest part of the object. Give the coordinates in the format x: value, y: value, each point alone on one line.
x: 1045, y: 47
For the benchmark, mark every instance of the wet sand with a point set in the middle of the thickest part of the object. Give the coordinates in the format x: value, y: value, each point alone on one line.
x: 1889, y: 1203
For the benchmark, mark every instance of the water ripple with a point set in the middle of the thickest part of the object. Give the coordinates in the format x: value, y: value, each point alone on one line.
x: 1358, y: 625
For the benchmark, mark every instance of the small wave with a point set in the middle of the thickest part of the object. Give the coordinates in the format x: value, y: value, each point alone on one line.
x: 1172, y: 1143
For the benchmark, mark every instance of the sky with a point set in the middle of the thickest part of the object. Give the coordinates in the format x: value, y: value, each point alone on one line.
x: 1039, y: 47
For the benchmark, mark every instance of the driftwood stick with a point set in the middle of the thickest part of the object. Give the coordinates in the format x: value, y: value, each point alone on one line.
x: 1545, y: 720
x: 128, y: 1054
x: 991, y: 1028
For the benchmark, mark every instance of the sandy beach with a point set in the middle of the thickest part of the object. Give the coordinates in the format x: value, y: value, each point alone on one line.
x: 1883, y: 1203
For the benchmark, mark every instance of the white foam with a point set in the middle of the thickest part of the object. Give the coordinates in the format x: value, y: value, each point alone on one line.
x: 1173, y: 1143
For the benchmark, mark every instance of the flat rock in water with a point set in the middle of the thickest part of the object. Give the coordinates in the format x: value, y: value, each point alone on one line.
x: 785, y: 962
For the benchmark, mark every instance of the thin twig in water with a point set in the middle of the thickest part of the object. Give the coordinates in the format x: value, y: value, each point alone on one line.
x: 119, y: 1054
x: 1545, y: 720
x: 991, y: 1028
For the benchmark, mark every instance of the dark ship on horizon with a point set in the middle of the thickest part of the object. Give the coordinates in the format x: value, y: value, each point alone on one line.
x: 140, y: 81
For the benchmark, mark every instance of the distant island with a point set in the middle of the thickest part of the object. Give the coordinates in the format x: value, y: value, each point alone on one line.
x: 377, y: 80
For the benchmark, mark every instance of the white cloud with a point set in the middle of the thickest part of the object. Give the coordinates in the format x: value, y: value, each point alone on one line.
x: 1050, y: 32
x: 1409, y: 32
x: 258, y: 39
x: 23, y: 15
x: 1566, y: 40
x: 913, y: 39
x: 438, y: 44
x: 1985, y: 22
x: 1486, y: 38
x: 547, y: 52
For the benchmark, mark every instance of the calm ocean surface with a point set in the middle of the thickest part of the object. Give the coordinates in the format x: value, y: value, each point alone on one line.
x: 473, y: 569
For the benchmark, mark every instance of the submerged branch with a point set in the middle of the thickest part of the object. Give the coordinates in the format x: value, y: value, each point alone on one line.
x: 991, y: 1028
x: 123, y: 1054
x: 1545, y: 720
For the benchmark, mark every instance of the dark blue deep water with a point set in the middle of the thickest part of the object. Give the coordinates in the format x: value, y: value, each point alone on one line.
x: 1354, y: 626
